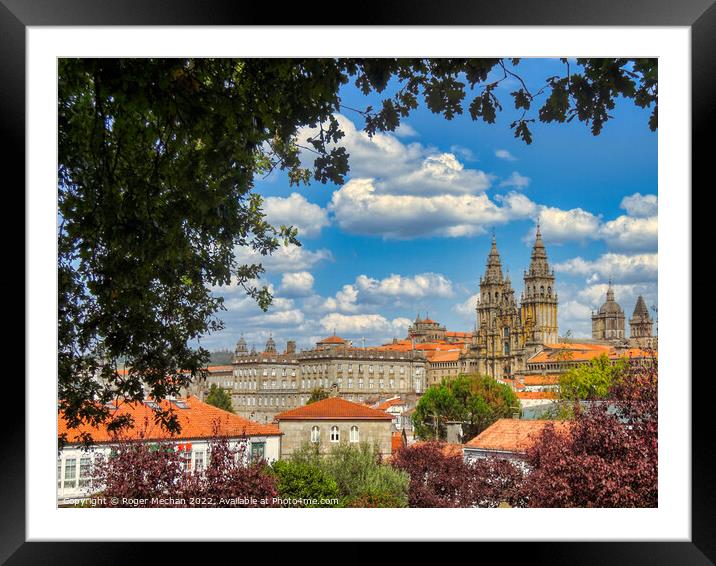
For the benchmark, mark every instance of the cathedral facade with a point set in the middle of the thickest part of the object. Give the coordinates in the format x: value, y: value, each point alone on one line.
x: 507, y: 332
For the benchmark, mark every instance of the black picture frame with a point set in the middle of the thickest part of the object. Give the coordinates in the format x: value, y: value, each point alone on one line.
x: 699, y: 15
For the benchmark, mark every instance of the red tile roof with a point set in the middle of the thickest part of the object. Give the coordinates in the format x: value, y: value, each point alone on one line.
x: 513, y: 435
x: 536, y: 394
x: 541, y: 380
x: 389, y: 403
x: 198, y: 420
x: 333, y: 340
x: 333, y: 408
x: 450, y: 356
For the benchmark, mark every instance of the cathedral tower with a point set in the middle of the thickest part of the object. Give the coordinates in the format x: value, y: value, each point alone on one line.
x: 640, y: 324
x: 608, y: 322
x: 539, y: 298
x: 498, y: 323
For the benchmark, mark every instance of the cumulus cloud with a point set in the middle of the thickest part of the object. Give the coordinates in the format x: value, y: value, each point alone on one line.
x: 415, y: 287
x: 465, y: 153
x: 640, y: 206
x: 516, y: 180
x: 563, y: 225
x: 504, y: 154
x: 296, y: 211
x: 405, y: 130
x: 296, y: 284
x: 629, y: 233
x: 624, y: 294
x: 436, y: 175
x: 466, y: 309
x: 360, y: 324
x: 360, y: 209
x: 619, y: 267
x: 284, y: 258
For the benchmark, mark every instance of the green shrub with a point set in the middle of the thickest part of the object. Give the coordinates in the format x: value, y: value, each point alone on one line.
x: 305, y: 485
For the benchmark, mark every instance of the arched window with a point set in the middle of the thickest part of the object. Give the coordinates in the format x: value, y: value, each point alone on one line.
x: 335, y: 434
x: 549, y: 291
x: 354, y: 434
x: 541, y: 291
x: 315, y: 434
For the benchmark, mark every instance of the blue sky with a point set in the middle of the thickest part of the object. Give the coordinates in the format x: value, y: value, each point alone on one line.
x: 410, y: 229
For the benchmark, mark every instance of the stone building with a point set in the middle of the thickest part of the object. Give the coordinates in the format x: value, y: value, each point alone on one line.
x: 334, y: 421
x: 641, y: 326
x: 267, y: 383
x: 426, y: 330
x: 608, y: 322
x: 506, y: 332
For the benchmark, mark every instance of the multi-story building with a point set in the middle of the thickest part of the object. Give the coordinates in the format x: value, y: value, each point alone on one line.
x: 269, y: 382
x: 200, y: 424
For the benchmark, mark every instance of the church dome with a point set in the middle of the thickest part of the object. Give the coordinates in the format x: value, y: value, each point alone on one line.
x: 610, y: 306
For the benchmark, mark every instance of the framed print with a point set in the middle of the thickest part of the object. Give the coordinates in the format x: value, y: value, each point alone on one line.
x: 410, y: 267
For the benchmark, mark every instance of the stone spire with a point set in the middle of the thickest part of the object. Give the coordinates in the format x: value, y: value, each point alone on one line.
x: 538, y: 262
x: 640, y: 310
x: 640, y: 324
x: 493, y: 274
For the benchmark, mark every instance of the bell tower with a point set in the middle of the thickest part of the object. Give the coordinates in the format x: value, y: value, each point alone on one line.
x: 539, y: 298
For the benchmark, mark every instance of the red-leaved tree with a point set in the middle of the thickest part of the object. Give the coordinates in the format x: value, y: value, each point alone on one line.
x: 139, y: 473
x: 441, y: 478
x: 609, y: 456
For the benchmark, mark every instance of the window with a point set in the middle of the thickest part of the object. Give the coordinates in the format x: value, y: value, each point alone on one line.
x: 70, y: 472
x: 59, y: 474
x: 258, y: 451
x: 85, y: 465
x: 315, y: 434
x: 198, y: 461
x: 185, y: 458
x: 354, y: 433
x: 335, y: 434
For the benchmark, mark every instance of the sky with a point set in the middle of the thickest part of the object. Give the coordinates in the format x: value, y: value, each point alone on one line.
x: 410, y: 229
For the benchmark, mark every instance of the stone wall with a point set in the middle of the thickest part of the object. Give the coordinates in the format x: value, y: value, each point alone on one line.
x: 298, y: 433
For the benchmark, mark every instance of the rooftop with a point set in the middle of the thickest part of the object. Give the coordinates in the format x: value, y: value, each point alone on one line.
x: 513, y: 435
x: 197, y: 420
x: 333, y: 408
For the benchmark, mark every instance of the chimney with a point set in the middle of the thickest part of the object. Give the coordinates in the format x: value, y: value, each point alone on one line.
x: 454, y: 432
x: 291, y: 347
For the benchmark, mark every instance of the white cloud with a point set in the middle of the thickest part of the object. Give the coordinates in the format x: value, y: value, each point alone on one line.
x: 437, y: 175
x: 405, y: 130
x: 284, y: 258
x: 296, y: 211
x: 296, y: 284
x: 504, y: 154
x: 345, y: 300
x: 466, y: 309
x: 516, y: 180
x: 563, y: 225
x: 640, y: 206
x: 365, y: 324
x: 620, y: 267
x: 396, y: 286
x: 629, y: 233
x: 361, y: 209
x: 624, y: 294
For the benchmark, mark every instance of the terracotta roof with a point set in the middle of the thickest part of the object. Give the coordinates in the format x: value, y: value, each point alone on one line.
x: 197, y: 420
x: 220, y: 368
x: 333, y: 408
x: 332, y: 340
x: 459, y: 334
x: 536, y: 394
x: 513, y: 435
x: 389, y: 403
x: 450, y: 356
x: 541, y: 380
x: 588, y: 352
